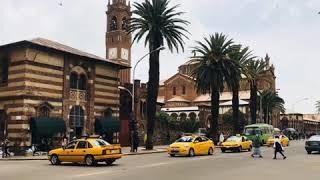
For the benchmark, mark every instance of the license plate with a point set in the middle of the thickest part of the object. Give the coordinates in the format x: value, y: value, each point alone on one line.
x: 115, y: 151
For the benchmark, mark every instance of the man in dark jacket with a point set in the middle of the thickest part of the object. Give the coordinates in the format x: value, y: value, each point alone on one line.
x: 278, y: 148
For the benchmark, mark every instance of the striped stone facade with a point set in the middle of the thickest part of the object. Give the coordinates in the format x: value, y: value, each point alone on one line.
x: 39, y: 75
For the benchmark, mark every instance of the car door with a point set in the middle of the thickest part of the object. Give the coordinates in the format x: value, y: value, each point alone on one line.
x: 67, y: 153
x: 205, y: 145
x: 245, y: 143
x: 80, y: 151
x: 197, y: 146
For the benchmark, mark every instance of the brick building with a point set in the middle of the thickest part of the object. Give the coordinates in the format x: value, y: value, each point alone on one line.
x: 49, y: 89
x: 181, y: 101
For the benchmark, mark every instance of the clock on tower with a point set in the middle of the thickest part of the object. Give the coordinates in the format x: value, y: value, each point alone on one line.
x: 118, y: 41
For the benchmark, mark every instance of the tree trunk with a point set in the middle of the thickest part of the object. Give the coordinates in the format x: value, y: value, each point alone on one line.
x: 253, y: 102
x: 265, y: 118
x: 153, y: 88
x: 215, y: 101
x: 235, y: 110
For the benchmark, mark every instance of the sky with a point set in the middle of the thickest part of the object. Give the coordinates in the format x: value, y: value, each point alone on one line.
x: 288, y: 30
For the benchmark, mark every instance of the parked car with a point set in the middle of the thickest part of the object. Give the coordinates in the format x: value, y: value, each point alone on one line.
x: 313, y: 144
x: 86, y: 150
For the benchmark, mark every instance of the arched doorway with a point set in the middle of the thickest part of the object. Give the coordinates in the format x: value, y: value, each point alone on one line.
x: 76, y: 121
x: 183, y: 117
x: 3, y: 119
x: 192, y: 116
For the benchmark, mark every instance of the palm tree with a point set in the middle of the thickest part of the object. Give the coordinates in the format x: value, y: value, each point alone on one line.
x: 318, y: 107
x: 158, y: 23
x: 253, y: 70
x: 212, y: 67
x: 241, y: 56
x: 271, y: 101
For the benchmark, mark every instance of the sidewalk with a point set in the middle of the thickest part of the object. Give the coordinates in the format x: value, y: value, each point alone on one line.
x: 125, y: 152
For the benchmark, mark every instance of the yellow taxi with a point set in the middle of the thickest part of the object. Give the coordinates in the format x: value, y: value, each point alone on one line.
x: 86, y: 150
x: 283, y: 139
x: 191, y: 146
x: 236, y: 143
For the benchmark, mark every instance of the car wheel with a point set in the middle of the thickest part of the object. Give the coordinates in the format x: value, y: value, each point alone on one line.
x: 309, y: 152
x: 223, y: 150
x: 172, y: 155
x: 110, y: 161
x: 89, y: 160
x: 288, y: 144
x: 191, y: 152
x: 240, y: 149
x: 210, y: 151
x: 250, y: 148
x: 55, y: 160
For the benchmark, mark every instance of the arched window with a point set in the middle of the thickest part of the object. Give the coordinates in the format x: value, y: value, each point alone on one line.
x: 4, y: 69
x: 124, y: 23
x: 114, y: 24
x: 76, y: 120
x: 183, y: 90
x: 107, y: 113
x: 76, y: 116
x: 44, y: 111
x: 73, y: 80
x: 174, y: 91
x: 82, y: 84
x: 78, y: 82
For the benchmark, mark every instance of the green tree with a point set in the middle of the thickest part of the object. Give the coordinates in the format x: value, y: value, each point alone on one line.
x: 158, y: 23
x: 213, y: 65
x: 271, y: 102
x: 241, y: 56
x: 253, y: 70
x: 228, y: 119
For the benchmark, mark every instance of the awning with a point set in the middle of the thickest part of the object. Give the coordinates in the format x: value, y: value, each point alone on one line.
x: 107, y: 124
x: 47, y: 126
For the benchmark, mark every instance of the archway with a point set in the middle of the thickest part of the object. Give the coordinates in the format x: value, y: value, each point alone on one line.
x: 192, y: 116
x: 174, y: 116
x: 183, y: 116
x: 3, y: 119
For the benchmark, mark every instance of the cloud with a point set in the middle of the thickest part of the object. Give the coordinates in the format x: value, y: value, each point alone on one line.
x: 288, y: 30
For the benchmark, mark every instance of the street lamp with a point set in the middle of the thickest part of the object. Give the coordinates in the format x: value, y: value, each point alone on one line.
x: 134, y: 71
x: 295, y: 103
x: 133, y: 87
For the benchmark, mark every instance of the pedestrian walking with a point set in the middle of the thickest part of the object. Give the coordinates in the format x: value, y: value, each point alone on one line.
x: 135, y: 141
x: 221, y: 138
x: 5, y: 151
x: 257, y: 145
x: 64, y: 141
x: 278, y: 148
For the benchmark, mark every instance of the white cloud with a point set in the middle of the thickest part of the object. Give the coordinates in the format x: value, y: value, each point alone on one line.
x: 288, y: 30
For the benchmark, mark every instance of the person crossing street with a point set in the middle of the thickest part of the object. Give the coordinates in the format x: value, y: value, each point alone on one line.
x: 278, y: 148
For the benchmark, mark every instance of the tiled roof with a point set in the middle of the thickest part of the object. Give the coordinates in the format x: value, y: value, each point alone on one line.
x: 178, y: 99
x: 64, y: 48
x: 225, y: 96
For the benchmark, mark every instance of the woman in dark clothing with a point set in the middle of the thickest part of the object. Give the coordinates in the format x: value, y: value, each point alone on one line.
x: 278, y: 148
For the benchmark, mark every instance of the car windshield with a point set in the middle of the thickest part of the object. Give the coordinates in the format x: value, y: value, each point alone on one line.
x: 101, y: 143
x: 252, y: 131
x: 314, y: 138
x: 234, y: 139
x: 185, y: 139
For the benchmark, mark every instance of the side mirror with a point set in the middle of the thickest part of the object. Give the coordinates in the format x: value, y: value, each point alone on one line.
x: 63, y: 147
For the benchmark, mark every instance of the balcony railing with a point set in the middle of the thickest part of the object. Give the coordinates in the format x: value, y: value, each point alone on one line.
x: 78, y: 95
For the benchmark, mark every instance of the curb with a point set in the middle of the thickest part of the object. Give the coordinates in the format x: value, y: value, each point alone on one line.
x: 46, y: 159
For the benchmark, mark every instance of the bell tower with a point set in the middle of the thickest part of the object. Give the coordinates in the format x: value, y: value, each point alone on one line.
x: 118, y: 41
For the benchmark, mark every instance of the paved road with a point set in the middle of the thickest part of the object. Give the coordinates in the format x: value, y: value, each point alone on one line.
x: 240, y: 166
